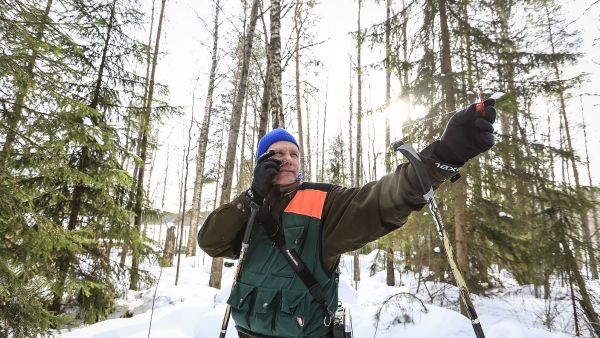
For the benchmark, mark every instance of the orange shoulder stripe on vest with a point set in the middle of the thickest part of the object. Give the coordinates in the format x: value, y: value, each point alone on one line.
x: 308, y: 202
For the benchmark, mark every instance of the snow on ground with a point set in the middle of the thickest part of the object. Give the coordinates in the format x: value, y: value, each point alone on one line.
x: 192, y: 309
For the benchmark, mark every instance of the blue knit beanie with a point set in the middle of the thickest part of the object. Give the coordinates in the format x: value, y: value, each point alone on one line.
x: 273, y: 136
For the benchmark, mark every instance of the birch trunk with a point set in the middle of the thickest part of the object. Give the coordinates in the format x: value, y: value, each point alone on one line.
x: 266, y: 94
x: 358, y: 176
x: 297, y: 30
x: 184, y: 193
x: 162, y: 200
x: 356, y: 269
x: 134, y: 277
x: 275, y: 99
x: 357, y: 181
x: 203, y: 140
x: 324, y: 129
x: 234, y: 128
x: 350, y: 140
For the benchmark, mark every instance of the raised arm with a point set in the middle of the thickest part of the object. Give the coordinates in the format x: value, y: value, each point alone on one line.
x: 353, y: 217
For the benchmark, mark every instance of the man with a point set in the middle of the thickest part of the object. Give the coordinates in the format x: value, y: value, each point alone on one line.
x: 320, y: 222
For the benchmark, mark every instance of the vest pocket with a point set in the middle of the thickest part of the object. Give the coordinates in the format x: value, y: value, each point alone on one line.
x: 240, y: 299
x: 294, y: 236
x: 292, y: 319
x: 264, y: 307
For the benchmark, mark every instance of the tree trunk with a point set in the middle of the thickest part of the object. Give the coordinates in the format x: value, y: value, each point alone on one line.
x: 589, y: 172
x: 388, y: 154
x: 308, y: 153
x: 350, y: 140
x: 388, y: 75
x: 154, y: 140
x: 134, y: 277
x: 324, y: 129
x: 169, y: 248
x: 356, y: 269
x: 162, y: 200
x: 221, y: 146
x: 266, y: 94
x: 317, y: 154
x: 241, y: 181
x: 358, y: 176
x: 368, y: 175
x: 184, y: 193
x: 404, y: 69
x: 458, y: 188
x: 297, y: 30
x: 275, y: 99
x: 203, y: 140
x: 264, y: 106
x: 389, y: 264
x: 153, y: 152
x: 585, y: 301
x: 593, y: 267
x: 357, y: 180
x: 234, y: 128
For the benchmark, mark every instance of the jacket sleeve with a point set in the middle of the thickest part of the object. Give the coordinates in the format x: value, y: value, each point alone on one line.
x: 353, y: 217
x: 222, y: 232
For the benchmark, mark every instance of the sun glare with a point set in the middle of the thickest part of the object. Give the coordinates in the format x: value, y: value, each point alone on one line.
x: 397, y: 112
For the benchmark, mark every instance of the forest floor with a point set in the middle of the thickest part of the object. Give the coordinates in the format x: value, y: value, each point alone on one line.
x: 192, y: 309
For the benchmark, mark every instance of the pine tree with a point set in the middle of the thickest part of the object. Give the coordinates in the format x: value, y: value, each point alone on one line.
x: 337, y: 163
x: 62, y: 158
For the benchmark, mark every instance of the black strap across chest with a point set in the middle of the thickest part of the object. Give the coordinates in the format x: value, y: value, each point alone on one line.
x: 275, y: 232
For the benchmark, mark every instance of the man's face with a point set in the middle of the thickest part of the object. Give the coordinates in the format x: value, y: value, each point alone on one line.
x: 289, y: 155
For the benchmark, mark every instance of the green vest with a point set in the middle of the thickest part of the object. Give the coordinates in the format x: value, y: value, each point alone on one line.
x: 270, y: 300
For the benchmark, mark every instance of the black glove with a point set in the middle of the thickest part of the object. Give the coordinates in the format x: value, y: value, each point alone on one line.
x: 468, y: 134
x: 265, y: 170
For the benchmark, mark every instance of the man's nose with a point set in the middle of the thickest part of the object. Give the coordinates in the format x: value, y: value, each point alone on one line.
x: 285, y: 158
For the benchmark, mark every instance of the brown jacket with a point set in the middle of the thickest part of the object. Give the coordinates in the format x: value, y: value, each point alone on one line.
x: 351, y: 218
